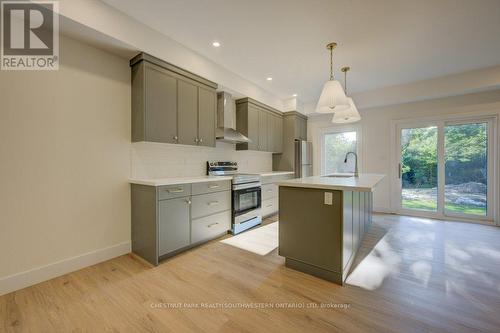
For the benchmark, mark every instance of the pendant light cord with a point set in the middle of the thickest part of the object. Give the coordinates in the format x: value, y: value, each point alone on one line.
x: 345, y: 82
x: 331, y: 64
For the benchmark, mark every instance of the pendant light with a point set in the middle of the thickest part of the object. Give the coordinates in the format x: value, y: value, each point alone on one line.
x: 350, y: 115
x: 332, y: 97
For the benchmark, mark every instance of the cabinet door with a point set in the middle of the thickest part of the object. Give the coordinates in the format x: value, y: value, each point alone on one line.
x: 187, y: 99
x: 160, y: 105
x: 278, y: 134
x: 355, y: 219
x: 253, y: 127
x: 302, y: 129
x: 174, y: 229
x: 206, y: 117
x: 347, y: 244
x: 263, y: 130
x: 270, y: 132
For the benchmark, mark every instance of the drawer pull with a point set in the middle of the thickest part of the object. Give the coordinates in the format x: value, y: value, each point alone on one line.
x: 213, y: 203
x: 213, y: 186
x: 175, y: 190
x: 212, y: 224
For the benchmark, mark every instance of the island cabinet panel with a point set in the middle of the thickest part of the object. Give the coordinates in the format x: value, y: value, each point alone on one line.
x: 356, y: 214
x: 321, y: 230
x: 310, y: 231
x: 171, y: 105
x: 348, y: 244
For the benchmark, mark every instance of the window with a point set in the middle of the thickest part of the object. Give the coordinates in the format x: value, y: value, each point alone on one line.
x: 335, y: 147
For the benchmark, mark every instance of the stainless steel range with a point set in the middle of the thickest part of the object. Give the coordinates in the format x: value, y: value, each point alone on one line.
x: 246, y: 195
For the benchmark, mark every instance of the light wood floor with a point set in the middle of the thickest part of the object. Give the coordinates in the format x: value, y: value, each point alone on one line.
x: 411, y: 275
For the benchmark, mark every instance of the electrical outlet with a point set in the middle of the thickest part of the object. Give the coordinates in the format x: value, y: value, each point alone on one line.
x: 328, y: 198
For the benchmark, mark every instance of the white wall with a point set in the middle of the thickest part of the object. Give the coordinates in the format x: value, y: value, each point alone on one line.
x: 111, y: 22
x: 65, y: 162
x: 158, y: 160
x: 375, y: 127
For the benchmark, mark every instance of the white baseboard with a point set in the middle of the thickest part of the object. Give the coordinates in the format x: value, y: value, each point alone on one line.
x: 33, y: 276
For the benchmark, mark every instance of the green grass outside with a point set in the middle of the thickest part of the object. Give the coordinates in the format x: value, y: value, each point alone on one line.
x: 430, y: 205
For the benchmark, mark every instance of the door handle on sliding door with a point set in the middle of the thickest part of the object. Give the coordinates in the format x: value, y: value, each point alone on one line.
x: 399, y: 171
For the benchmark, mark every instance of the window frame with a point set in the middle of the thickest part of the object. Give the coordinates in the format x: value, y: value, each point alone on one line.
x: 338, y: 130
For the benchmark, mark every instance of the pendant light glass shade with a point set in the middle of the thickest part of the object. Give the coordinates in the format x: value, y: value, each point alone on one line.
x: 332, y: 98
x: 350, y: 115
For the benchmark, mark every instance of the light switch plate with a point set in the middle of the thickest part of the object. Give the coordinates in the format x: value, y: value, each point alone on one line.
x: 328, y: 198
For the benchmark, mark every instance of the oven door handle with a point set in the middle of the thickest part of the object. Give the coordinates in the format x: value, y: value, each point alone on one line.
x: 246, y: 186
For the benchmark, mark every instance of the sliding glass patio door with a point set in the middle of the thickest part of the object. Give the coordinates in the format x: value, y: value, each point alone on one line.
x: 445, y: 168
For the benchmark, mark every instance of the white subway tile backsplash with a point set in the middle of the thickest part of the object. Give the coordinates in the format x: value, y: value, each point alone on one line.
x: 159, y: 160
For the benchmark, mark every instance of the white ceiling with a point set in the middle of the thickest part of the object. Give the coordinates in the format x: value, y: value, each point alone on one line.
x: 386, y: 42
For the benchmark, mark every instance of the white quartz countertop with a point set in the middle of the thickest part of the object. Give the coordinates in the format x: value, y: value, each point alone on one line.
x: 197, y: 179
x: 178, y: 180
x: 276, y: 173
x: 366, y: 182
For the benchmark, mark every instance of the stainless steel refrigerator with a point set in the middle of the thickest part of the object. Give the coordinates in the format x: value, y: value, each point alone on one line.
x: 303, y: 159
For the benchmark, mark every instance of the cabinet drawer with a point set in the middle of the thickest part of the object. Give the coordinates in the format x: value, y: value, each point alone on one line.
x: 269, y: 191
x: 207, y: 204
x: 269, y: 206
x: 209, y: 187
x: 208, y: 227
x: 174, y: 191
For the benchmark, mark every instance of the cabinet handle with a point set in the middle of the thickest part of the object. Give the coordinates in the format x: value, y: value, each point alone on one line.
x: 188, y: 201
x: 213, y: 203
x: 269, y: 190
x: 196, y: 140
x: 211, y: 225
x: 213, y: 186
x: 201, y: 140
x: 175, y: 190
x: 176, y: 138
x: 269, y: 205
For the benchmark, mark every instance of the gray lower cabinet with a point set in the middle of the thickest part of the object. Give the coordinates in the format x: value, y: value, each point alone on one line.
x: 270, y: 193
x: 171, y: 105
x: 208, y: 227
x: 169, y: 219
x: 174, y: 228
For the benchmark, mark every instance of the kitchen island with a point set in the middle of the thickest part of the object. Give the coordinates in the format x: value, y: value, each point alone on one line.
x: 323, y: 220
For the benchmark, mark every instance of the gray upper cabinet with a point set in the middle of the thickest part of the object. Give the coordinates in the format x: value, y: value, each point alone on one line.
x: 187, y: 101
x: 262, y: 124
x: 171, y: 105
x: 263, y: 132
x: 206, y: 117
x: 293, y: 127
x: 174, y: 225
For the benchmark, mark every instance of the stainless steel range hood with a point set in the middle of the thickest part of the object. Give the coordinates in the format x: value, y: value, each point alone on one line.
x: 226, y: 120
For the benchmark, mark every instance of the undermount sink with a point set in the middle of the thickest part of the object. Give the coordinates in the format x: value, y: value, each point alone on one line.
x: 339, y: 176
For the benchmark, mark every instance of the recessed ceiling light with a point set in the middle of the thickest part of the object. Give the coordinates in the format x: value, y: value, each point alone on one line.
x: 216, y: 44
x: 269, y: 79
x: 294, y: 95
